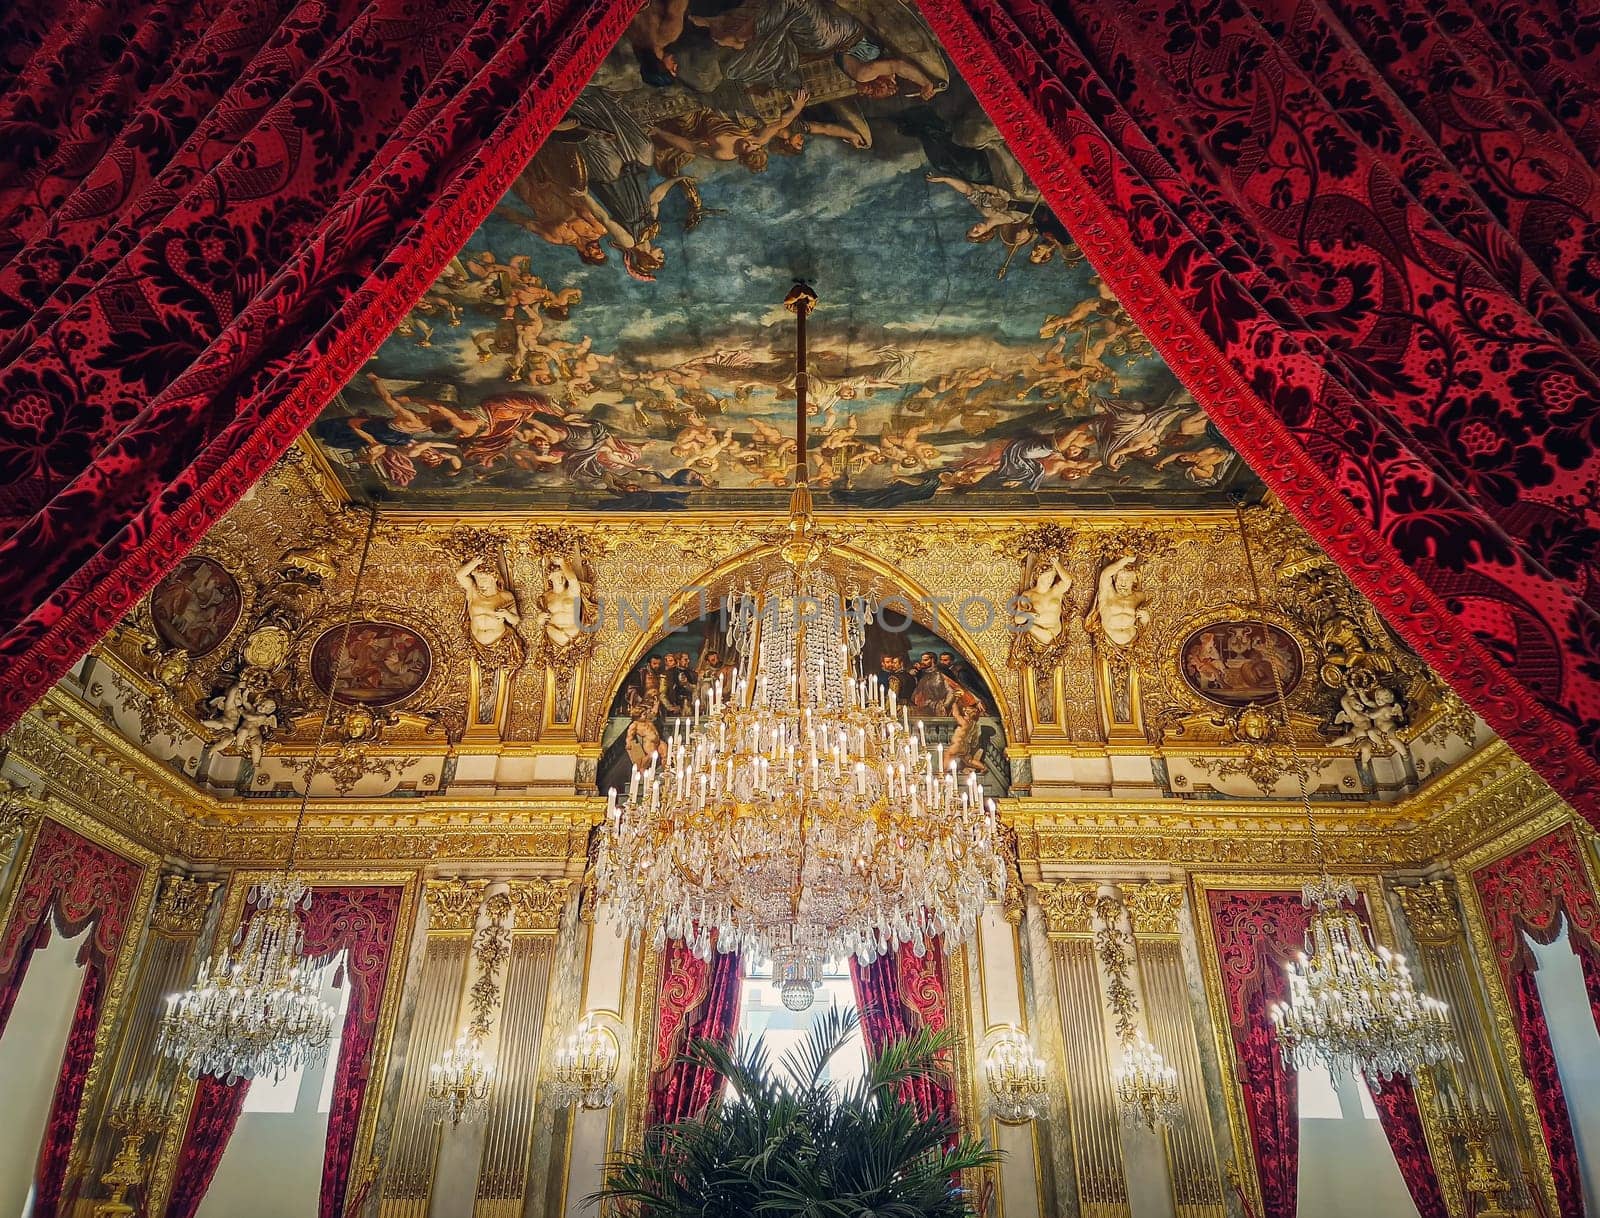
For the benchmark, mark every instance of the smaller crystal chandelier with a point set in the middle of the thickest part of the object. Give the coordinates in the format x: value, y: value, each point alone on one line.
x: 1352, y: 1004
x: 1016, y: 1077
x: 459, y: 1082
x: 256, y: 1009
x: 584, y: 1070
x: 1147, y: 1088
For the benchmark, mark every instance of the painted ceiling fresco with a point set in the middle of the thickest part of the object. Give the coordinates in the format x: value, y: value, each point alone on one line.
x: 611, y: 337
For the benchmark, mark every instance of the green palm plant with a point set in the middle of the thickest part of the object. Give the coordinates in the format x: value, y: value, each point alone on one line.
x: 786, y: 1143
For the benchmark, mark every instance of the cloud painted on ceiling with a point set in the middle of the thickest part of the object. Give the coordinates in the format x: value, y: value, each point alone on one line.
x: 610, y: 337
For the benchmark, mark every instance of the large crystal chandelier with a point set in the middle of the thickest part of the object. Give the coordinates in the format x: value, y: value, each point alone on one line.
x: 256, y: 1010
x: 1352, y: 1005
x: 800, y: 816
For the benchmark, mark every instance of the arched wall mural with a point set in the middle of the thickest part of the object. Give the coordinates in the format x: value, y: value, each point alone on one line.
x: 945, y: 690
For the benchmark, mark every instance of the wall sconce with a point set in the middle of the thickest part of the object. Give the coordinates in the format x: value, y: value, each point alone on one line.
x: 1016, y: 1076
x: 584, y: 1068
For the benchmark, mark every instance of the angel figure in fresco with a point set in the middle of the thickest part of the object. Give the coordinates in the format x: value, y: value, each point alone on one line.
x: 906, y: 449
x: 965, y: 749
x: 643, y: 739
x: 1071, y: 380
x: 658, y: 25
x: 1204, y: 466
x: 392, y: 454
x: 680, y: 138
x: 429, y: 416
x: 554, y: 189
x: 995, y: 207
x: 770, y: 39
x: 527, y: 303
x: 1129, y: 430
x: 1039, y: 603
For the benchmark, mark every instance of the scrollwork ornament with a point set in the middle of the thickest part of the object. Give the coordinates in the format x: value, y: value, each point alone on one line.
x: 1067, y: 905
x: 1431, y: 913
x: 538, y: 902
x: 453, y: 904
x: 18, y: 811
x: 181, y: 905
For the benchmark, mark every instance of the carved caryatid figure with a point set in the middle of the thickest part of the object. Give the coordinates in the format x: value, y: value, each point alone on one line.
x: 567, y: 589
x: 491, y: 615
x: 1119, y: 610
x: 1040, y: 600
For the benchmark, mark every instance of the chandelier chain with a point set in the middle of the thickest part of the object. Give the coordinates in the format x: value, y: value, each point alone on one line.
x: 341, y: 659
x: 1318, y: 849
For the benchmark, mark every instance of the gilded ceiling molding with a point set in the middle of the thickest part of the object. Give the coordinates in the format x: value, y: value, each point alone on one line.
x: 18, y: 810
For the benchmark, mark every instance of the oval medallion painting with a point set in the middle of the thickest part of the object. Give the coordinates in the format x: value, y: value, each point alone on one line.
x: 388, y: 663
x: 195, y: 606
x: 1231, y: 663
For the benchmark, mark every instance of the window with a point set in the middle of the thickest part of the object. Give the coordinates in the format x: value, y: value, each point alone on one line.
x: 1321, y: 1099
x: 283, y: 1096
x: 762, y: 1015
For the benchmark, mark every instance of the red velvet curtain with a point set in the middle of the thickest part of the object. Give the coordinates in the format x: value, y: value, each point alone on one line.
x: 1396, y: 1102
x: 698, y: 1000
x: 1257, y: 933
x: 898, y: 994
x: 362, y: 922
x: 1366, y: 235
x: 211, y: 211
x: 73, y: 884
x: 1537, y: 890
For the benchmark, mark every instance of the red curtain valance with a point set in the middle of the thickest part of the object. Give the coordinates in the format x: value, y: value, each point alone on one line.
x: 1366, y: 236
x: 211, y: 211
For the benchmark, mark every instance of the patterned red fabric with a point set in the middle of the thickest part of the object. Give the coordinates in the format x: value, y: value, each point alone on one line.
x: 1549, y: 1097
x: 1536, y: 891
x: 1396, y: 1103
x: 897, y: 995
x: 1257, y: 933
x: 72, y: 884
x: 76, y: 1058
x: 361, y: 922
x: 211, y: 211
x: 1366, y: 235
x: 699, y: 1000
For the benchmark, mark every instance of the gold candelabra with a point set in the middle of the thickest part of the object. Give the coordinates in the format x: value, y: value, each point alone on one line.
x: 1474, y: 1122
x: 135, y: 1118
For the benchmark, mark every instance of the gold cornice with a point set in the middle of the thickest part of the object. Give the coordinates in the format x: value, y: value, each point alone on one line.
x: 86, y: 762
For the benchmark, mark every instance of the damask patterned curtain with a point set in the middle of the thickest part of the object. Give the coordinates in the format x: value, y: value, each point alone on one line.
x: 361, y: 922
x: 699, y: 1000
x: 899, y: 994
x: 71, y: 884
x: 1365, y: 234
x: 211, y: 211
x: 1536, y: 891
x: 1256, y: 934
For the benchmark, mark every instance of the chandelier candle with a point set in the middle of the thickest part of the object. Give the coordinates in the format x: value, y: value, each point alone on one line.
x: 798, y: 815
